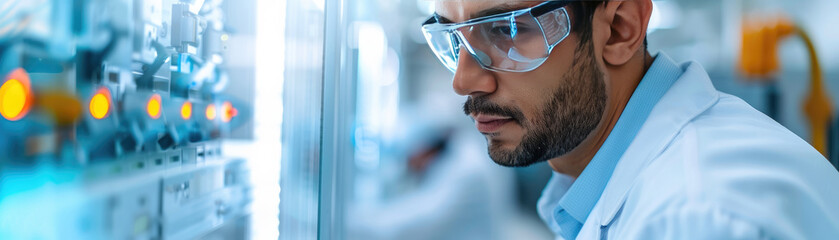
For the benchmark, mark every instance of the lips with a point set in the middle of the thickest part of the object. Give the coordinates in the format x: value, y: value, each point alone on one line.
x: 490, y: 124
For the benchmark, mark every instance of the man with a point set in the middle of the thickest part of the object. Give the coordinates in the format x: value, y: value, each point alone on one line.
x: 642, y: 147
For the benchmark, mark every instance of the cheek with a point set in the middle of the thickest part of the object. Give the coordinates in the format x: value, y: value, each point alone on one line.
x: 531, y: 92
x: 537, y: 95
x: 532, y: 102
x: 607, y: 85
x: 540, y: 100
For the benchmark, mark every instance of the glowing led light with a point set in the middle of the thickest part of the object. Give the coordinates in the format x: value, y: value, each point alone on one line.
x: 100, y: 104
x: 186, y: 110
x: 13, y: 99
x: 15, y: 96
x: 211, y: 112
x: 228, y: 112
x: 153, y: 107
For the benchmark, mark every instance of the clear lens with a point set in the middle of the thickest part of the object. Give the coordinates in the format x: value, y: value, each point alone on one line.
x: 446, y: 46
x: 555, y: 25
x: 512, y: 44
x: 515, y: 43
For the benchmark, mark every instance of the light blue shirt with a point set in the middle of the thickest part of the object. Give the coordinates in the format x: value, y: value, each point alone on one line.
x: 575, y: 206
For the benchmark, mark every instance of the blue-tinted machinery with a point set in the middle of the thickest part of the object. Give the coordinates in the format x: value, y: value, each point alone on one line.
x: 112, y: 113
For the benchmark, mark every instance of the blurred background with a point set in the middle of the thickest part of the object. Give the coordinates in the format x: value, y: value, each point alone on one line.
x: 316, y: 119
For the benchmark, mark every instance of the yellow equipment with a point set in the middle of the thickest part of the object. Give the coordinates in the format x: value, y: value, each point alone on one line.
x: 759, y: 59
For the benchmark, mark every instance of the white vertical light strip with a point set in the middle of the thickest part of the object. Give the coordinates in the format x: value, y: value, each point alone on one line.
x: 268, y: 112
x: 372, y: 46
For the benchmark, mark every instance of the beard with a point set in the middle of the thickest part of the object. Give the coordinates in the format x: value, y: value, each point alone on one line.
x: 566, y: 118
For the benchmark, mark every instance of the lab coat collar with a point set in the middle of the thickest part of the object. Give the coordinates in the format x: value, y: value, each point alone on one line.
x: 690, y: 95
x: 580, y: 199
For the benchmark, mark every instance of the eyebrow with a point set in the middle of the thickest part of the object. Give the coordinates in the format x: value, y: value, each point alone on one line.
x: 503, y: 8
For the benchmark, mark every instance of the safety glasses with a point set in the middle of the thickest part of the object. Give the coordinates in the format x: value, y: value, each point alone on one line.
x: 517, y: 41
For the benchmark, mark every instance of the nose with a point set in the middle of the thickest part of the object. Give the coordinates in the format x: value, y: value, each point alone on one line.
x: 470, y: 78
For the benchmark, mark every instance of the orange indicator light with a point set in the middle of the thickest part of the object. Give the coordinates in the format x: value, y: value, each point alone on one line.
x: 15, y: 95
x: 186, y: 110
x: 211, y: 112
x: 227, y: 111
x: 153, y: 107
x: 100, y: 104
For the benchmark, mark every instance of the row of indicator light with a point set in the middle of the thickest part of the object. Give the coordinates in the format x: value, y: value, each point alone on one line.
x: 16, y: 99
x: 100, y: 104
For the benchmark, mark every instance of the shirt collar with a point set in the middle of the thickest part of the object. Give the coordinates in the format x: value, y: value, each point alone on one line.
x: 691, y: 95
x: 584, y: 193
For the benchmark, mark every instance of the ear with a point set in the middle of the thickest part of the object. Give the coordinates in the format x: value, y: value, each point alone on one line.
x: 628, y: 22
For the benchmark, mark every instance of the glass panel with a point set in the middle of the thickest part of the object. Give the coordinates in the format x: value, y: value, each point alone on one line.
x: 302, y: 103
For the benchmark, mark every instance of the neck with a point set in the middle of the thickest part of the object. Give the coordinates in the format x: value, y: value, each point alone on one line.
x: 621, y: 84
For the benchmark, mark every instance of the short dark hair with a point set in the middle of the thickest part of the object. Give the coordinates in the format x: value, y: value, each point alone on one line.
x: 582, y: 14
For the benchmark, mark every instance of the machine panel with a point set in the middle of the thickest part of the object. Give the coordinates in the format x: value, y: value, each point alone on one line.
x: 113, y: 115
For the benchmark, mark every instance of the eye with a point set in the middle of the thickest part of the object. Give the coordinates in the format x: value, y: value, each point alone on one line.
x: 503, y: 29
x: 507, y: 30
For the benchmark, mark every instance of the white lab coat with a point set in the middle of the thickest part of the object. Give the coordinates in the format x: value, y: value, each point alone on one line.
x: 706, y: 165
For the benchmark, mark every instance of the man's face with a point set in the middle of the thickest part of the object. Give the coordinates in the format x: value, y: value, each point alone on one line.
x: 532, y: 116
